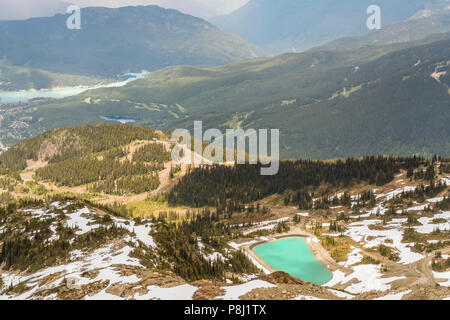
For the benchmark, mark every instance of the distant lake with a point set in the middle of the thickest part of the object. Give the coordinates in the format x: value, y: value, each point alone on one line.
x: 26, y: 95
x: 122, y: 120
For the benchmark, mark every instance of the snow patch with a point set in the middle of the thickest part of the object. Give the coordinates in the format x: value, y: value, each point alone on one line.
x: 369, y: 276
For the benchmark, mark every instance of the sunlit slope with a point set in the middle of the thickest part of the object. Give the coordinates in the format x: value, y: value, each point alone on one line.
x: 282, y: 26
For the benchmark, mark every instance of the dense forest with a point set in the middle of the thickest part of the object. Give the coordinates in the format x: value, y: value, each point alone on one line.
x: 65, y: 143
x: 223, y: 186
x: 304, y: 200
x: 108, y: 174
x: 97, y: 155
x: 124, y: 185
x: 80, y: 171
x: 152, y: 152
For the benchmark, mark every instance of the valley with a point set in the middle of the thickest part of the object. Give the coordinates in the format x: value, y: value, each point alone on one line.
x: 103, y: 46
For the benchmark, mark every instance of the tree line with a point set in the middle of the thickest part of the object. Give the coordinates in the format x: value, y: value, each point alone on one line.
x: 220, y: 185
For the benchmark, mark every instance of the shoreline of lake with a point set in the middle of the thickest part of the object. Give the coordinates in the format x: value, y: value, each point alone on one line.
x: 23, y: 96
x: 314, y: 245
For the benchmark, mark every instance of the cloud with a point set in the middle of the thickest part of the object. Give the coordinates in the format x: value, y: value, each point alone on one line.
x: 22, y: 9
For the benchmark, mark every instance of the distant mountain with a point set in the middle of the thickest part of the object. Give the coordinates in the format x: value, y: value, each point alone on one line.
x: 283, y: 25
x: 327, y: 104
x: 113, y: 41
x: 421, y: 25
x: 24, y: 9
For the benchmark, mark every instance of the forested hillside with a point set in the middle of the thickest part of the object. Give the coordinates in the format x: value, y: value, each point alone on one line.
x: 327, y: 104
x: 379, y: 219
x: 64, y: 143
x: 99, y: 200
x: 99, y: 156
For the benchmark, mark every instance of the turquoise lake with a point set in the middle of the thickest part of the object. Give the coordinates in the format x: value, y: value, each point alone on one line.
x: 293, y: 256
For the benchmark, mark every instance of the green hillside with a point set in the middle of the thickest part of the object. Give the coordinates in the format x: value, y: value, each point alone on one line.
x: 98, y: 157
x: 327, y: 104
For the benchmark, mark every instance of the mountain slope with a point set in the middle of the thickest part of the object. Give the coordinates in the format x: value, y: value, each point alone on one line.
x: 101, y: 159
x: 402, y: 108
x: 104, y: 45
x: 279, y: 26
x: 67, y: 143
x: 421, y: 25
x: 328, y: 104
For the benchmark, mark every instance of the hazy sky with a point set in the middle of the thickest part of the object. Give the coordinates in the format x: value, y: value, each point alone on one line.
x: 22, y: 9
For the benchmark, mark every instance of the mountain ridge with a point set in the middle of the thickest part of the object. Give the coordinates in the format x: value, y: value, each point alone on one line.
x: 161, y: 37
x: 281, y: 26
x: 422, y: 25
x: 379, y: 88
